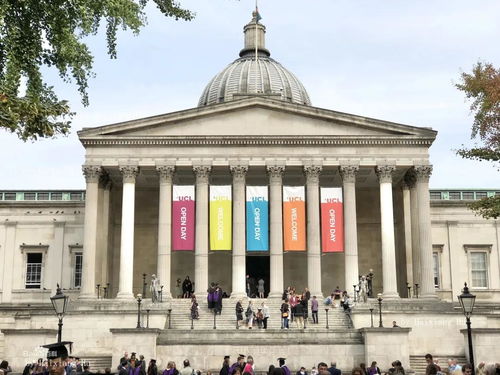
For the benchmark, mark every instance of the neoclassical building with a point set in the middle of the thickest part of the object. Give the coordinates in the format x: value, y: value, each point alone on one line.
x: 253, y: 181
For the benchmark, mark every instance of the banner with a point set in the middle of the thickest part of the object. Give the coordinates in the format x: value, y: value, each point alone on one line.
x: 332, y: 220
x: 220, y: 217
x: 294, y: 218
x: 183, y: 217
x: 257, y: 218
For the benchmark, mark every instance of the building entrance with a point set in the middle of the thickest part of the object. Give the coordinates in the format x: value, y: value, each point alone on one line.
x: 257, y: 267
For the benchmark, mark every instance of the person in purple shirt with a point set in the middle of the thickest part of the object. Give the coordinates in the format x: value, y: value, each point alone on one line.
x: 314, y: 309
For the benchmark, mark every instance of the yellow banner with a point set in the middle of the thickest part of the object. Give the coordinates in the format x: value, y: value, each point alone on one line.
x: 220, y: 218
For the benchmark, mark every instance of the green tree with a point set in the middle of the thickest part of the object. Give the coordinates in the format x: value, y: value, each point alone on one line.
x: 482, y: 87
x: 50, y: 33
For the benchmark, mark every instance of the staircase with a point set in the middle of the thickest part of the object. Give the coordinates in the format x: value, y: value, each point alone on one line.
x: 181, y: 316
x: 418, y: 363
x: 97, y: 363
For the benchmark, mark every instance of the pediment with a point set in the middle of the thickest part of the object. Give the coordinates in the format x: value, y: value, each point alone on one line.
x: 256, y: 117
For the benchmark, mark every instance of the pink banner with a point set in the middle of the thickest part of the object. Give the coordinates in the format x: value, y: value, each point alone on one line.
x: 183, y: 217
x: 332, y: 220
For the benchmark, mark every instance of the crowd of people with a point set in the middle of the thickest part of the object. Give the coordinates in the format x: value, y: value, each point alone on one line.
x: 244, y: 365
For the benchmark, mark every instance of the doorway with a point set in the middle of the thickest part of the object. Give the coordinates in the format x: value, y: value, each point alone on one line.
x: 257, y: 267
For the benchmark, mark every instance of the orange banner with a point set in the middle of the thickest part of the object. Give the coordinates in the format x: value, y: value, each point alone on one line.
x: 294, y: 218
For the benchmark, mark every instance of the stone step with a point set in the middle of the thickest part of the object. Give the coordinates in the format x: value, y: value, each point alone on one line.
x: 97, y: 363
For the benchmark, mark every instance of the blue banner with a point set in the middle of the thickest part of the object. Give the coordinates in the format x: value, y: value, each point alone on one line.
x: 257, y: 218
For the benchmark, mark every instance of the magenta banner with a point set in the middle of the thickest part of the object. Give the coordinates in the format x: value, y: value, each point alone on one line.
x: 183, y: 217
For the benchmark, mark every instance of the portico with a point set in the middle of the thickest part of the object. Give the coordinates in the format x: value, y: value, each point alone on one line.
x: 369, y: 159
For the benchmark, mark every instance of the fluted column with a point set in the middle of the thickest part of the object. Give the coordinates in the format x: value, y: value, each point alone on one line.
x: 407, y: 229
x: 88, y: 288
x: 163, y: 271
x: 126, y: 278
x: 348, y: 174
x: 201, y: 246
x: 389, y: 279
x: 276, y: 230
x: 312, y: 173
x: 422, y: 174
x: 239, y: 174
x: 410, y: 180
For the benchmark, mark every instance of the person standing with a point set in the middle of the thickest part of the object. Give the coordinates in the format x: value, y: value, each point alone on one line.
x: 314, y: 309
x: 249, y: 367
x: 265, y: 312
x: 178, y: 289
x: 186, y: 287
x: 299, y: 314
x: 225, y: 366
x: 187, y: 370
x: 285, y: 312
x: 250, y: 315
x: 194, y: 308
x: 239, y: 313
x: 154, y: 288
x: 260, y: 317
x: 152, y: 368
x: 431, y: 368
x: 218, y: 299
x: 333, y: 370
x: 260, y: 287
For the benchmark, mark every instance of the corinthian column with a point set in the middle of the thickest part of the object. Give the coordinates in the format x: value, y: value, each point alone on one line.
x: 165, y: 173
x: 92, y: 174
x: 348, y: 174
x: 411, y: 181
x: 312, y: 173
x: 423, y: 173
x: 201, y: 247
x: 390, y: 289
x: 276, y: 230
x: 239, y: 173
x: 126, y: 279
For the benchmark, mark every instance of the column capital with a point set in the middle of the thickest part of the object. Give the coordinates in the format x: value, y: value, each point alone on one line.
x: 422, y: 172
x: 312, y: 173
x: 239, y: 172
x: 202, y: 172
x: 348, y: 173
x: 129, y: 172
x: 104, y: 180
x: 384, y: 173
x: 275, y: 173
x: 92, y: 173
x: 166, y: 172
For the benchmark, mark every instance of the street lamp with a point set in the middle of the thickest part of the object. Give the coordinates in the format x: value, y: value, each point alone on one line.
x: 60, y: 304
x: 326, y: 310
x: 371, y: 317
x: 379, y: 299
x: 139, y: 300
x: 467, y: 301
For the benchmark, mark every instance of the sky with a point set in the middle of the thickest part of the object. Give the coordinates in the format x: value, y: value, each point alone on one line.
x: 391, y: 60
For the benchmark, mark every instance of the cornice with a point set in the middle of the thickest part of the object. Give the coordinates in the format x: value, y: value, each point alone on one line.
x: 257, y: 140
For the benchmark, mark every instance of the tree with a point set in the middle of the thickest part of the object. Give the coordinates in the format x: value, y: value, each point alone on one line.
x: 482, y: 86
x: 36, y: 34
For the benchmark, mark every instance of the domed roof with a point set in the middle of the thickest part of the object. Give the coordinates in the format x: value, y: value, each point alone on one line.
x: 251, y: 76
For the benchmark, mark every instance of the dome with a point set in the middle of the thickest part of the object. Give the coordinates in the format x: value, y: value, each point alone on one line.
x: 251, y: 76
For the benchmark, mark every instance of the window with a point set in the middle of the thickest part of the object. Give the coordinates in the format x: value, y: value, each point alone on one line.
x: 29, y: 196
x: 454, y: 195
x: 43, y: 196
x: 56, y: 196
x: 77, y: 277
x: 435, y: 195
x: 481, y: 194
x: 9, y: 196
x: 34, y: 270
x: 435, y: 259
x: 478, y: 269
x: 75, y: 196
x: 468, y: 195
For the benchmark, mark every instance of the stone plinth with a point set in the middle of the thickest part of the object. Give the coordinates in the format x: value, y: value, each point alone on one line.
x: 24, y: 345
x: 386, y: 345
x: 484, y: 343
x: 139, y: 340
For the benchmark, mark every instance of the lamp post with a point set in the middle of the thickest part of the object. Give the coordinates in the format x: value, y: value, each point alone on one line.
x: 60, y: 304
x: 326, y: 311
x: 416, y: 290
x: 147, y: 318
x: 215, y: 319
x: 379, y: 299
x: 144, y: 285
x: 354, y: 286
x: 109, y: 290
x: 161, y: 293
x: 139, y: 300
x: 169, y: 318
x: 371, y: 317
x: 467, y: 301
x: 98, y: 287
x: 409, y: 289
